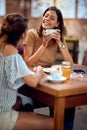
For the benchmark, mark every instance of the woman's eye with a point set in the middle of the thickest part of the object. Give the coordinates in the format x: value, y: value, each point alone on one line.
x: 46, y: 16
x: 52, y: 18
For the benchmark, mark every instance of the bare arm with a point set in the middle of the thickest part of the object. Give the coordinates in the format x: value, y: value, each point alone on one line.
x: 30, y: 57
x: 33, y: 79
x: 64, y: 51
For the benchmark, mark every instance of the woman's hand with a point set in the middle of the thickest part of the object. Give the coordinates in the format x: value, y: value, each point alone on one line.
x: 55, y: 35
x: 39, y: 70
x: 46, y: 39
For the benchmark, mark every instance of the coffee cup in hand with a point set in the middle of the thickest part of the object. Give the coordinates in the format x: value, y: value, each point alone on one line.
x: 49, y: 31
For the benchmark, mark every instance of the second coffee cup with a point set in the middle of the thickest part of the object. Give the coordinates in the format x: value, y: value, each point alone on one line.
x: 56, y: 74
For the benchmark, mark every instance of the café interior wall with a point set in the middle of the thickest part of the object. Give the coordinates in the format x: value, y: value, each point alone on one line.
x: 74, y: 27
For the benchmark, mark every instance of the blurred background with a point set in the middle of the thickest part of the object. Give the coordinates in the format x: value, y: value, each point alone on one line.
x: 74, y: 13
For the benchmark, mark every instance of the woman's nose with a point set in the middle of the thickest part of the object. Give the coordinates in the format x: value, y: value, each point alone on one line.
x: 48, y: 18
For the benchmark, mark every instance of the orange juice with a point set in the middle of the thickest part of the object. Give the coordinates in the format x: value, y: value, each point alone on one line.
x: 66, y: 69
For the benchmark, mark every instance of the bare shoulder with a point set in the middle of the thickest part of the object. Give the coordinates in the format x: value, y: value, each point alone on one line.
x: 31, y: 31
x: 9, y: 50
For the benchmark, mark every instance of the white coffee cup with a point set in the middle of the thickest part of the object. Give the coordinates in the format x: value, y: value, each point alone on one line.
x: 56, y: 67
x: 49, y: 31
x: 56, y: 74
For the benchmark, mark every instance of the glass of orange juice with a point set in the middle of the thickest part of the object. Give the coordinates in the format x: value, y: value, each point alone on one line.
x: 66, y: 69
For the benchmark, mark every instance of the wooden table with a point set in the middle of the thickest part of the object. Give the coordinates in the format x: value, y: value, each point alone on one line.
x: 69, y: 94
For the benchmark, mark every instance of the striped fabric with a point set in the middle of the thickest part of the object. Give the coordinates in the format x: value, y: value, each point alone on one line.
x: 12, y: 69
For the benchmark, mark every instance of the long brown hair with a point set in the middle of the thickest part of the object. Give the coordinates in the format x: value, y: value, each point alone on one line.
x: 59, y: 19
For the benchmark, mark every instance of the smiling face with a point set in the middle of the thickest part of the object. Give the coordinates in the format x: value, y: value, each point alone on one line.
x: 49, y: 20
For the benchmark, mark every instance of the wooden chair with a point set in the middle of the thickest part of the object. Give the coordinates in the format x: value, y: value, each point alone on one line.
x: 84, y: 62
x: 18, y: 103
x: 73, y: 45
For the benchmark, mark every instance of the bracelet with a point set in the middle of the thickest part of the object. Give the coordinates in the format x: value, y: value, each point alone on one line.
x: 63, y: 46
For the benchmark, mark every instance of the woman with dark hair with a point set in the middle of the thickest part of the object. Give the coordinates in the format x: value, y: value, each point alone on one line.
x: 41, y: 49
x: 14, y: 73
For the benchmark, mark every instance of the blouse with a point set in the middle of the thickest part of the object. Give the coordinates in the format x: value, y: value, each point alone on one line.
x: 12, y: 69
x: 49, y: 55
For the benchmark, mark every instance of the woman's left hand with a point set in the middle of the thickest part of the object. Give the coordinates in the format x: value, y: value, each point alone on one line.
x: 56, y: 35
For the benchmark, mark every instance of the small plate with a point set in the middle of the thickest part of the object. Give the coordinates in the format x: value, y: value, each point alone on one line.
x: 60, y: 80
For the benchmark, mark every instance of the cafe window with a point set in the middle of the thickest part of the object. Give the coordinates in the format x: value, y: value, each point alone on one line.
x: 2, y: 7
x: 73, y: 8
x: 39, y: 6
x: 82, y: 9
x: 67, y: 7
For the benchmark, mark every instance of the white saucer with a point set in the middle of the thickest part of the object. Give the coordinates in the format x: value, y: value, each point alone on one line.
x: 60, y: 80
